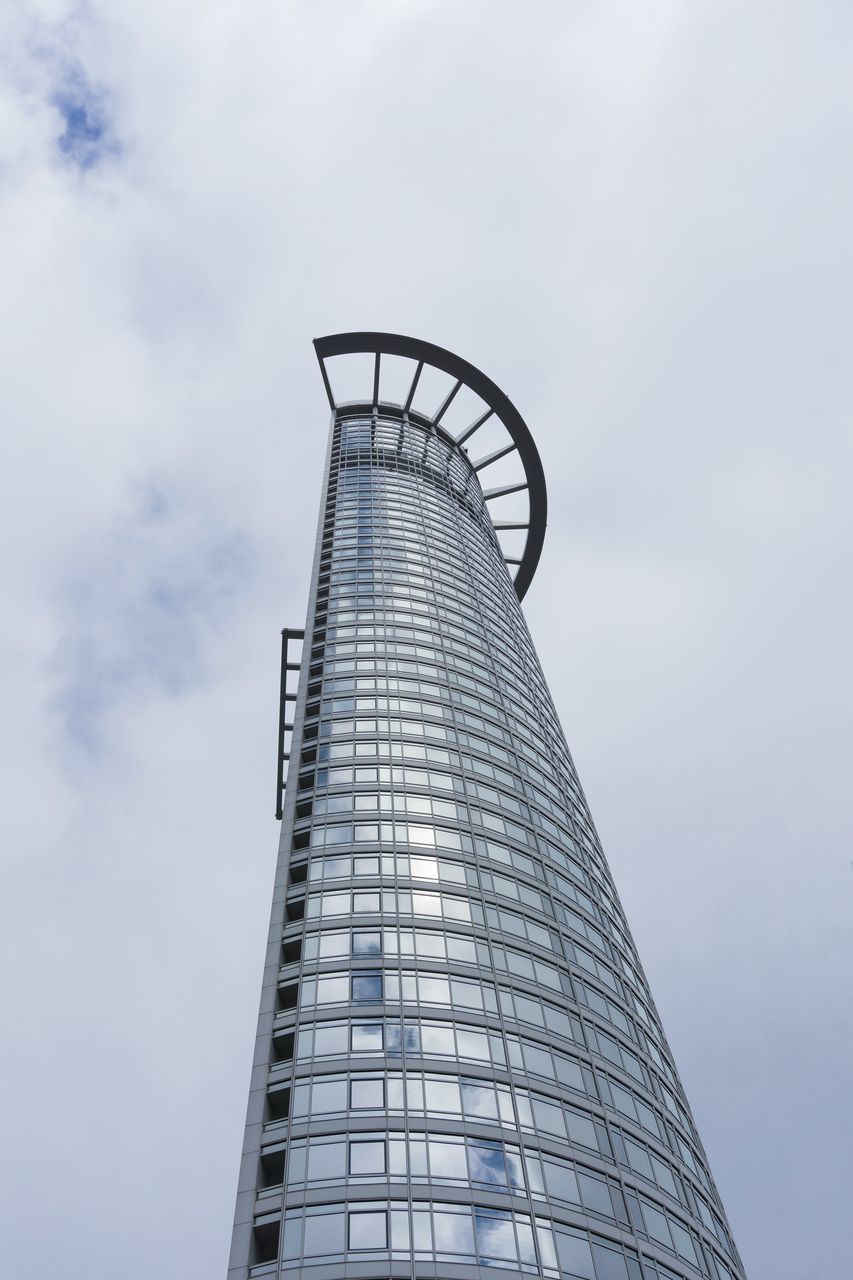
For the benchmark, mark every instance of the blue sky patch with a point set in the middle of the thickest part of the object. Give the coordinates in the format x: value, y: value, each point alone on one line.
x: 87, y: 138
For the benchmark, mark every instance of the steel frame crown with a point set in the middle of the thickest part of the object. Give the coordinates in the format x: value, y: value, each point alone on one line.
x: 498, y: 405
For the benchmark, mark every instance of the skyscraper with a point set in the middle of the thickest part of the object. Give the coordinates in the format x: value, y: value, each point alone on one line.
x: 459, y: 1064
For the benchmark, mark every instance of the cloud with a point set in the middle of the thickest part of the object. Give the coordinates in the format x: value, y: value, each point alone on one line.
x: 138, y: 616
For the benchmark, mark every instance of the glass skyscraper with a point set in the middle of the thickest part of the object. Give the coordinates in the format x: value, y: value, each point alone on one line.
x: 459, y: 1065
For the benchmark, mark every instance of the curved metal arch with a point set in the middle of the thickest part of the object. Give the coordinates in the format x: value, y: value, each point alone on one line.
x: 498, y: 404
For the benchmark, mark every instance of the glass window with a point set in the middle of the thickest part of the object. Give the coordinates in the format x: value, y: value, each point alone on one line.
x: 400, y: 1235
x: 442, y: 1095
x: 329, y: 1095
x: 453, y: 1233
x: 367, y: 1157
x: 366, y: 943
x: 575, y: 1255
x: 332, y: 990
x: 648, y: 1119
x: 467, y: 995
x: 582, y: 1130
x: 461, y: 949
x: 368, y: 1230
x: 331, y: 945
x: 656, y: 1225
x: 426, y: 904
x: 417, y: 1157
x: 526, y: 1247
x: 495, y: 1235
x: 534, y: 1172
x: 683, y: 1242
x: 422, y: 1230
x: 366, y: 903
x: 569, y: 1073
x: 665, y: 1178
x: 324, y: 1233
x: 296, y: 1162
x: 549, y: 1118
x: 434, y: 990
x: 368, y: 1092
x: 366, y: 1037
x: 326, y: 1160
x: 423, y: 868
x: 537, y: 1061
x: 447, y: 1159
x: 366, y: 867
x: 561, y: 1182
x: 479, y: 1100
x: 487, y: 1164
x: 437, y: 1040
x: 330, y: 1040
x: 367, y: 986
x: 638, y: 1159
x: 428, y: 944
x: 609, y: 1265
x: 397, y: 1158
x: 412, y: 1034
x: 473, y: 1045
x: 292, y: 1236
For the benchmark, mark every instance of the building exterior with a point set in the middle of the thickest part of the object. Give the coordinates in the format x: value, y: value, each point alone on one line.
x: 459, y: 1065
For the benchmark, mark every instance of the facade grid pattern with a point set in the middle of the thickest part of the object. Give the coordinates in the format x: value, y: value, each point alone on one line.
x: 460, y: 1064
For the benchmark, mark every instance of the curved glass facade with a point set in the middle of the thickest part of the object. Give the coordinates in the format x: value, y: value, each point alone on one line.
x: 459, y: 1063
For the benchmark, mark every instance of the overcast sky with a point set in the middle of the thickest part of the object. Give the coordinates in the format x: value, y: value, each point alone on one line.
x: 637, y: 218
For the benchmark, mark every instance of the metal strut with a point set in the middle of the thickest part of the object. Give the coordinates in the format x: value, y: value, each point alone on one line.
x: 284, y: 726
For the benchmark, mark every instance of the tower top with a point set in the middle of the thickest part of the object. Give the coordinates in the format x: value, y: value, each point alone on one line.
x: 496, y: 407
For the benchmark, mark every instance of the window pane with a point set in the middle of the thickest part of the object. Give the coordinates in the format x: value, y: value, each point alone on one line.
x: 474, y: 1045
x: 325, y: 1160
x: 368, y: 1230
x: 608, y: 1264
x: 365, y: 903
x: 574, y: 1255
x: 329, y: 1095
x: 366, y: 943
x: 487, y: 1164
x: 437, y: 1040
x: 330, y: 1040
x: 324, y: 1233
x: 479, y: 1100
x: 367, y: 986
x: 595, y: 1195
x: 367, y: 1157
x: 366, y: 1036
x: 431, y: 944
x: 561, y: 1182
x: 447, y: 1160
x: 453, y: 1233
x: 434, y: 990
x: 683, y: 1242
x: 292, y: 1236
x: 367, y: 1093
x: 656, y: 1225
x: 334, y: 868
x: 495, y: 1236
x: 442, y: 1095
x: 331, y: 945
x: 331, y: 990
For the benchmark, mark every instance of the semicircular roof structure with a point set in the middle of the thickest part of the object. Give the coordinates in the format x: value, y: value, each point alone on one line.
x: 520, y: 446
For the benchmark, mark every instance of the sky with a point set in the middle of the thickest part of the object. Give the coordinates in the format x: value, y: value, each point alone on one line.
x: 636, y: 219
